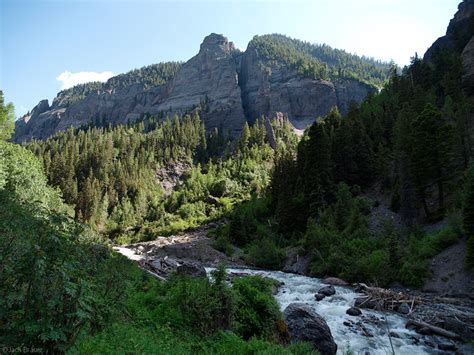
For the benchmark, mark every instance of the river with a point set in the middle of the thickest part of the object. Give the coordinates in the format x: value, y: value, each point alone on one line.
x: 350, y: 340
x: 349, y: 337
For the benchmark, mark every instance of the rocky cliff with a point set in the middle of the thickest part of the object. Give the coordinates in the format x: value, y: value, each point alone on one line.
x: 230, y: 87
x: 269, y: 87
x: 459, y: 38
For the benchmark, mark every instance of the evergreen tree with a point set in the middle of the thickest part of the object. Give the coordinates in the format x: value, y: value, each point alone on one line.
x: 318, y: 169
x: 432, y: 153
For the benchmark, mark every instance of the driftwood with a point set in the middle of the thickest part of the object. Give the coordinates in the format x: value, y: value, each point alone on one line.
x: 383, y: 299
x: 433, y: 329
x: 160, y: 267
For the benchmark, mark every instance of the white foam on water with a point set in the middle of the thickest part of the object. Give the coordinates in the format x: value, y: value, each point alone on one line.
x: 129, y: 253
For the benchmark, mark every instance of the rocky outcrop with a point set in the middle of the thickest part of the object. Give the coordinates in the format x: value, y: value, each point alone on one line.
x: 229, y: 86
x: 297, y: 261
x: 209, y: 79
x: 304, y: 324
x: 459, y: 38
x: 459, y: 32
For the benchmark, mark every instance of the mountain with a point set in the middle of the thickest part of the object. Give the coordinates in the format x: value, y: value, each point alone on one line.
x: 275, y: 74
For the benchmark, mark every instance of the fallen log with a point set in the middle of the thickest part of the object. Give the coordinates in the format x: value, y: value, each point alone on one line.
x: 434, y: 329
x: 381, y: 298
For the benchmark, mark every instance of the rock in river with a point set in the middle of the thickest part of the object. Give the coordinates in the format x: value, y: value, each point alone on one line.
x: 354, y: 311
x: 327, y: 290
x: 304, y: 324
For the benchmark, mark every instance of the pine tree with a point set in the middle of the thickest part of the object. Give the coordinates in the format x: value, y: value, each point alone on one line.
x: 432, y: 152
x: 244, y: 137
x: 403, y: 148
x: 317, y: 170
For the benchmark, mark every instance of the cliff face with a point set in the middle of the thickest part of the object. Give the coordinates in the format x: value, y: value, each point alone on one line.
x: 230, y: 86
x: 269, y: 88
x: 208, y: 79
x: 459, y: 38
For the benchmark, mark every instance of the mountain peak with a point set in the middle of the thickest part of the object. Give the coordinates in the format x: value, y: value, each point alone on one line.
x: 216, y: 42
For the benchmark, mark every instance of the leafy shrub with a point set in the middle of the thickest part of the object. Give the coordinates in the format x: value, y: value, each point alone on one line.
x: 257, y: 311
x: 198, y: 305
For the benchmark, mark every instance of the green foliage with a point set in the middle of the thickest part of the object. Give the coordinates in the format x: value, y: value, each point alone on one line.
x: 222, y: 241
x: 197, y: 305
x: 410, y: 141
x: 7, y: 118
x: 56, y: 277
x: 419, y: 250
x: 257, y: 311
x: 192, y: 315
x: 109, y: 174
x: 62, y: 289
x: 22, y: 175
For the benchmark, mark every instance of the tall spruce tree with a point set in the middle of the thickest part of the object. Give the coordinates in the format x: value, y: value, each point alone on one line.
x: 318, y: 168
x: 432, y: 153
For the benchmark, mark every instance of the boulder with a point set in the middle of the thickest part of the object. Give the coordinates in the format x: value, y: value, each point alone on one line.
x: 297, y: 262
x: 327, y: 290
x: 354, y: 311
x: 319, y: 296
x: 447, y: 346
x: 404, y: 308
x: 191, y: 269
x: 304, y: 324
x: 335, y: 281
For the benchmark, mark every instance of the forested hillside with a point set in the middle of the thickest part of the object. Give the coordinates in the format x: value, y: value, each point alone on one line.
x: 111, y: 175
x: 320, y: 61
x: 410, y: 143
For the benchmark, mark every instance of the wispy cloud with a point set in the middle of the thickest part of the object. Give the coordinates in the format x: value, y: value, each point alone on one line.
x: 69, y: 79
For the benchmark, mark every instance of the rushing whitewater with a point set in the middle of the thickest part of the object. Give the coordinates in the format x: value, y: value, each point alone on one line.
x: 298, y: 288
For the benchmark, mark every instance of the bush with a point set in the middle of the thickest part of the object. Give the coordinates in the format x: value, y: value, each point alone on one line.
x: 257, y: 311
x: 187, y: 315
x: 197, y: 305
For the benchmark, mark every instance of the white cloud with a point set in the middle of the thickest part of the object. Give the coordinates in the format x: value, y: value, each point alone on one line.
x: 69, y: 79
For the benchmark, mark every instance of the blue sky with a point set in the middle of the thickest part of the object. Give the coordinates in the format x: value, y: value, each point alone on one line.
x: 46, y: 45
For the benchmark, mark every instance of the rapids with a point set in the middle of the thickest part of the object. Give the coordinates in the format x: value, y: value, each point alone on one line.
x: 350, y: 340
